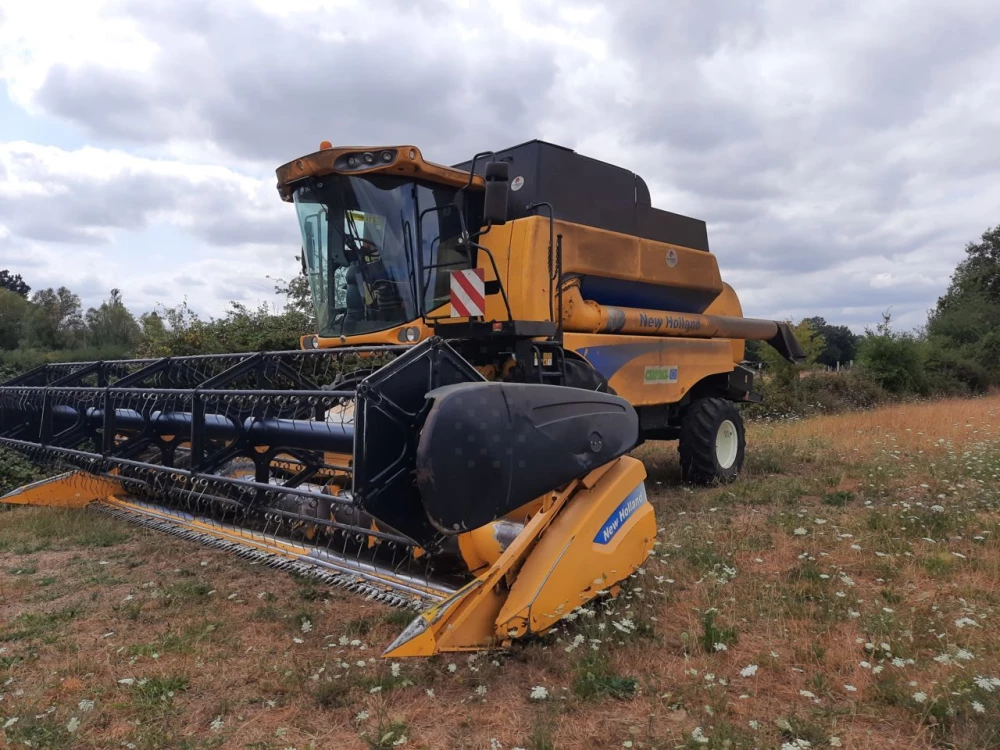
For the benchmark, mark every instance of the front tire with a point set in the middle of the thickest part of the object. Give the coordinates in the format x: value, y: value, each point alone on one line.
x: 712, y: 442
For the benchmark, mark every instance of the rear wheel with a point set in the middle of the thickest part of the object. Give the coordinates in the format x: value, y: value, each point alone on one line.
x: 712, y: 441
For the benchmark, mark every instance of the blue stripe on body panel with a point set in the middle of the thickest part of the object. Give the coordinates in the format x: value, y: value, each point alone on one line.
x: 640, y: 294
x: 635, y: 500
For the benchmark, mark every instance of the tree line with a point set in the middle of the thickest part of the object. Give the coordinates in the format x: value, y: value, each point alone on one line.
x: 957, y: 351
x: 51, y: 325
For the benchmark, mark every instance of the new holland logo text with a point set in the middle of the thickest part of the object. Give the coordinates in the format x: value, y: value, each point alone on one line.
x: 622, y: 513
x: 675, y: 322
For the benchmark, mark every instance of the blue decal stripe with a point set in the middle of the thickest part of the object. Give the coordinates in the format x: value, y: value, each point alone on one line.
x: 608, y: 360
x: 635, y: 500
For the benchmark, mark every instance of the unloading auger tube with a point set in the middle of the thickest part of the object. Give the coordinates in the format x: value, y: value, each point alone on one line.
x: 398, y: 472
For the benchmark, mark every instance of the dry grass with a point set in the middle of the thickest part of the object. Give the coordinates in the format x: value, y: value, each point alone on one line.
x: 858, y: 552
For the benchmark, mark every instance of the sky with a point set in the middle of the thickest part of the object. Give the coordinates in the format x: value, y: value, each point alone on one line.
x: 842, y: 153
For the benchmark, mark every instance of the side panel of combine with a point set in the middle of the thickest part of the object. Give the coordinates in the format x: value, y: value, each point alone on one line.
x: 649, y: 370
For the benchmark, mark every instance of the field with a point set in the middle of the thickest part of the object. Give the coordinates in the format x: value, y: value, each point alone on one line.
x: 844, y: 593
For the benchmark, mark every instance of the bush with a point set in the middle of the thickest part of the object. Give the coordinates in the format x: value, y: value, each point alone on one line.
x: 831, y: 392
x: 895, y: 362
x: 951, y: 374
x: 18, y: 361
x: 819, y: 393
x: 16, y: 471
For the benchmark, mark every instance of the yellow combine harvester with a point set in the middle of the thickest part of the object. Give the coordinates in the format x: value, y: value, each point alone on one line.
x: 493, y: 339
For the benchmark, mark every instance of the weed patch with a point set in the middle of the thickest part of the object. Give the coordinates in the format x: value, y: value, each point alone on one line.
x: 596, y: 679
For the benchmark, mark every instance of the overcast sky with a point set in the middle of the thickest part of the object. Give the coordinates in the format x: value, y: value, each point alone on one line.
x: 841, y: 153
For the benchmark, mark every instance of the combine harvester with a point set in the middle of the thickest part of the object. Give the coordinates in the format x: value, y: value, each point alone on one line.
x: 493, y: 339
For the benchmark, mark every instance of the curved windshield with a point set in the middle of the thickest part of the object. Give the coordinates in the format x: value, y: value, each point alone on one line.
x: 360, y: 239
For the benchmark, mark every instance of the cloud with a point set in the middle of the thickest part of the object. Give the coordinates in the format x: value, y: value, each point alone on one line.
x: 267, y: 87
x: 95, y: 219
x: 841, y: 154
x: 83, y: 196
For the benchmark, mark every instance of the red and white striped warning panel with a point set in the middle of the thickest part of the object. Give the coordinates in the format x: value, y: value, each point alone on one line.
x: 468, y: 293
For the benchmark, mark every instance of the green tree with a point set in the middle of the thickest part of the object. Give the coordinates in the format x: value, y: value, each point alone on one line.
x: 54, y: 320
x: 965, y: 323
x: 894, y: 360
x: 112, y: 324
x: 178, y: 330
x: 298, y: 297
x: 786, y: 373
x: 13, y: 309
x: 840, y: 342
x: 13, y: 283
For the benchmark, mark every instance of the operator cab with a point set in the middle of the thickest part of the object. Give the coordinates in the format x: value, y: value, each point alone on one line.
x: 378, y: 247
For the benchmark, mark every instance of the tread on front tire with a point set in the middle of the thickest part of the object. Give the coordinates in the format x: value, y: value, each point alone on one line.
x: 712, y: 442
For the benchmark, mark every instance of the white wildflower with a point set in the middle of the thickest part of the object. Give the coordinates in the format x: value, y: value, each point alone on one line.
x: 920, y: 697
x: 126, y: 681
x: 978, y: 707
x: 754, y: 724
x: 85, y: 705
x: 835, y: 742
x: 964, y: 655
x: 452, y: 667
x: 627, y: 743
x: 807, y: 694
x: 748, y: 671
x: 720, y: 647
x: 699, y: 736
x: 297, y: 640
x: 10, y: 722
x: 495, y: 744
x: 800, y: 531
x: 850, y: 688
x: 217, y: 722
x: 539, y: 693
x: 984, y: 683
x: 73, y: 725
x: 307, y: 626
x: 966, y: 621
x: 363, y: 716
x: 401, y: 741
x: 481, y: 690
x: 376, y: 689
x: 430, y: 692
x: 898, y: 663
x: 395, y: 669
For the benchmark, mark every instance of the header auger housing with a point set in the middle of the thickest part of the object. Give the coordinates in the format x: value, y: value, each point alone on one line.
x: 493, y: 338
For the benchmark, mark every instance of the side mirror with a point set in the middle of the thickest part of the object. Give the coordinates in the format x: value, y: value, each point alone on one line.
x: 497, y: 186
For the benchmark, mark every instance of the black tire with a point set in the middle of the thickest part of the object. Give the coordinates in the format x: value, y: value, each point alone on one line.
x: 704, y: 459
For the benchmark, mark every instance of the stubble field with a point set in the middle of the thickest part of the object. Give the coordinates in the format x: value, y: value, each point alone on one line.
x: 844, y: 593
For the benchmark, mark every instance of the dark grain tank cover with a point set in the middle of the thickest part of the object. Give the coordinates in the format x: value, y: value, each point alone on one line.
x: 590, y: 192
